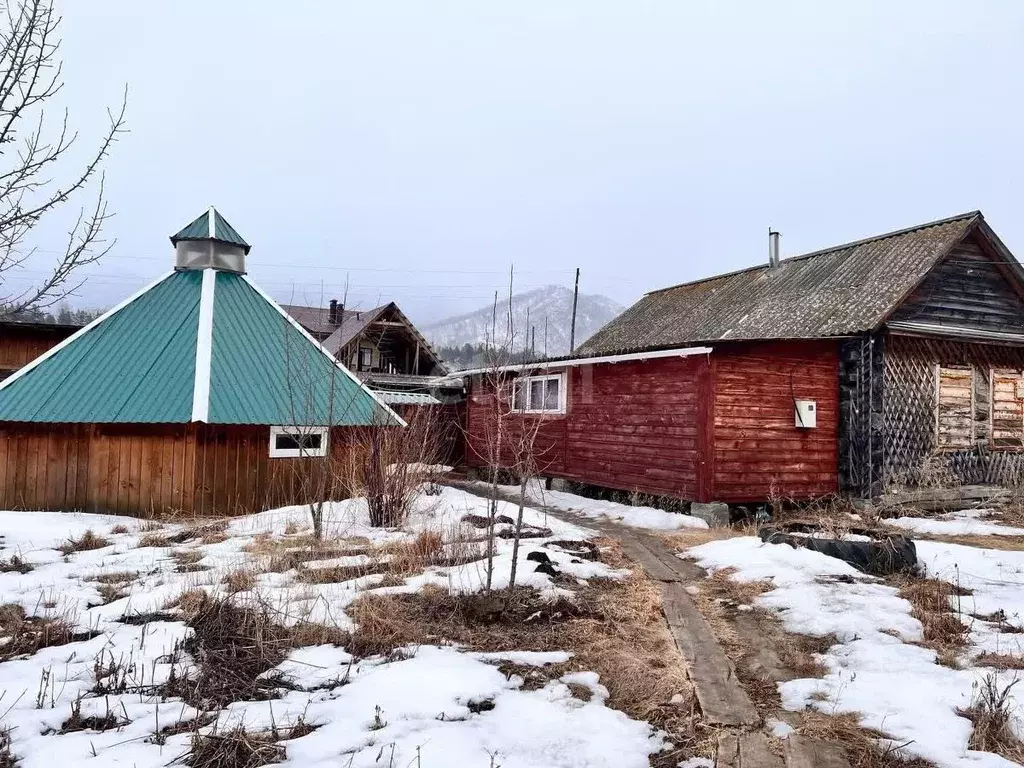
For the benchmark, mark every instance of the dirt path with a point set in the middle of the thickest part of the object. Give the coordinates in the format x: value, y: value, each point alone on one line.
x: 723, y: 700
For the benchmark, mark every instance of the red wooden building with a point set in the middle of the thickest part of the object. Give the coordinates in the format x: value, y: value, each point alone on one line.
x: 854, y: 369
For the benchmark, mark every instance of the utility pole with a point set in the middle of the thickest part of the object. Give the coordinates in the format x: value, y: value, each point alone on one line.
x: 494, y: 322
x: 545, y: 336
x: 572, y: 327
x: 533, y: 341
x: 526, y: 341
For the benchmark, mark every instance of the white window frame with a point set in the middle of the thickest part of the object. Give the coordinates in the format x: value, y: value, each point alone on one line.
x: 299, y: 453
x: 527, y: 382
x: 359, y: 358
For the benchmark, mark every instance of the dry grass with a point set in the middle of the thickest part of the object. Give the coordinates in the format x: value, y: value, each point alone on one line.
x: 999, y: 660
x: 120, y: 528
x: 931, y: 604
x: 685, y: 538
x: 27, y: 634
x: 15, y: 564
x: 237, y: 748
x: 240, y: 580
x: 861, y: 744
x: 991, y: 711
x: 613, y: 628
x: 114, y: 577
x: 86, y: 541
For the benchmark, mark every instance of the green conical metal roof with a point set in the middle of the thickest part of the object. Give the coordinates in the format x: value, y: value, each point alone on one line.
x: 211, y: 226
x: 196, y: 346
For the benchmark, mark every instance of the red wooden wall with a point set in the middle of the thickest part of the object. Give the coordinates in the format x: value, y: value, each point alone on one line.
x: 21, y: 344
x: 757, y: 450
x: 704, y: 428
x: 629, y: 426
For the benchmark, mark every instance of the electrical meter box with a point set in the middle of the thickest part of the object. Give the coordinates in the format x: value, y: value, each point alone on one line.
x: 807, y: 414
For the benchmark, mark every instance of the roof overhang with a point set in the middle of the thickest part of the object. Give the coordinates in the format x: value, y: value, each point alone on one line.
x: 541, y: 365
x: 907, y: 328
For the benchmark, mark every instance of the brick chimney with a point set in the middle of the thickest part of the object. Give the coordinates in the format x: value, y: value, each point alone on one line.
x: 335, y: 313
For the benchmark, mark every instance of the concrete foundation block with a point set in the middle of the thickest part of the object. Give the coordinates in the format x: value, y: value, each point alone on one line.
x: 558, y: 484
x: 714, y: 513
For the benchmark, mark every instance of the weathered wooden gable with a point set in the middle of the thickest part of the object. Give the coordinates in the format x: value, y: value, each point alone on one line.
x: 969, y: 288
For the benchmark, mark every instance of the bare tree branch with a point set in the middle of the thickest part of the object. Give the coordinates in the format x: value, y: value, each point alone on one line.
x: 30, y: 75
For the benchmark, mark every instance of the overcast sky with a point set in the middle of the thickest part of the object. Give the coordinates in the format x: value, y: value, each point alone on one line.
x: 422, y: 147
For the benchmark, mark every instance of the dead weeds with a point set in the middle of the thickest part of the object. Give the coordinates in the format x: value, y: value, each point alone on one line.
x: 85, y: 542
x: 991, y: 712
x: 862, y: 745
x: 15, y: 564
x: 932, y: 603
x: 999, y: 660
x: 24, y: 635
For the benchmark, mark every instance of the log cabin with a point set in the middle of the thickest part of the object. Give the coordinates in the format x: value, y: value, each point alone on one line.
x: 887, y: 363
x: 198, y: 395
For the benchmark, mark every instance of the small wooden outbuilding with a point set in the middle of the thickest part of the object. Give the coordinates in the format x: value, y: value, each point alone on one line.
x: 884, y: 363
x: 198, y: 394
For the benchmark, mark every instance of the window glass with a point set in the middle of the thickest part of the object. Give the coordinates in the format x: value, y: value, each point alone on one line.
x: 293, y: 441
x: 519, y: 401
x: 551, y: 395
x: 536, y: 395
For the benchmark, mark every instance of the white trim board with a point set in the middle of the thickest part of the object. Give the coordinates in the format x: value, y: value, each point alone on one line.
x: 81, y: 332
x: 334, y: 361
x: 204, y: 348
x: 610, y: 359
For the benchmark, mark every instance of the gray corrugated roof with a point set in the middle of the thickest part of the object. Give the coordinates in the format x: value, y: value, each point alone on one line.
x: 315, y: 319
x: 839, y: 291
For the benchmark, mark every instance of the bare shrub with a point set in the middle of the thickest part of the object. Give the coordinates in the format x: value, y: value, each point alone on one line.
x: 233, y: 644
x: 991, y: 711
x: 86, y: 541
x: 119, y: 528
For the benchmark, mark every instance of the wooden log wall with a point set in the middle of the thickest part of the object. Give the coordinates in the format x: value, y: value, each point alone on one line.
x: 155, y: 470
x: 912, y: 453
x: 758, y: 451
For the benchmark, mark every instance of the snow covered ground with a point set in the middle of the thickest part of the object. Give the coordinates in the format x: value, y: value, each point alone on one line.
x: 415, y: 704
x: 875, y: 669
x: 596, y: 509
x: 966, y: 522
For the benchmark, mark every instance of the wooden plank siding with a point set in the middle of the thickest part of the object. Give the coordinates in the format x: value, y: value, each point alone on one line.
x: 758, y: 451
x: 702, y: 428
x: 154, y: 470
x: 21, y: 345
x: 967, y: 289
x: 629, y: 426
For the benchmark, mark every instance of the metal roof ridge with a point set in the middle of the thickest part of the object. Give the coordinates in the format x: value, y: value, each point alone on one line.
x: 976, y: 214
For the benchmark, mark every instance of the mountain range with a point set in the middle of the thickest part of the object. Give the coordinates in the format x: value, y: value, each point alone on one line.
x: 552, y: 302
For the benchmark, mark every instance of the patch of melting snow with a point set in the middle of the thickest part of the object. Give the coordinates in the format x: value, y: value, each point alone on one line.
x: 962, y: 523
x: 874, y: 670
x: 596, y: 509
x: 545, y: 727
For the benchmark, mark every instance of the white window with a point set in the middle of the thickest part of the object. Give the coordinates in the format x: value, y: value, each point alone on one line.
x: 298, y: 442
x: 540, y: 394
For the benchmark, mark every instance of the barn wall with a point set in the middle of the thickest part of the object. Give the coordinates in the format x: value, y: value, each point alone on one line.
x: 860, y: 416
x: 758, y: 451
x: 967, y: 290
x: 912, y: 456
x: 629, y: 426
x: 19, y: 346
x: 152, y: 469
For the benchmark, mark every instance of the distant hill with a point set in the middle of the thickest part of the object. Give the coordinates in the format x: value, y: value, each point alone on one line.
x: 453, y: 334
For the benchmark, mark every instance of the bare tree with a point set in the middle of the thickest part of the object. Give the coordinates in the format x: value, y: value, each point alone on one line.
x: 509, y: 434
x: 32, y: 154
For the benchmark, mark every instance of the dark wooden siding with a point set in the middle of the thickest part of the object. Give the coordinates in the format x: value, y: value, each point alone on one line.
x: 968, y: 289
x: 861, y: 369
x: 191, y: 470
x: 629, y: 426
x: 758, y: 451
x: 19, y: 346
